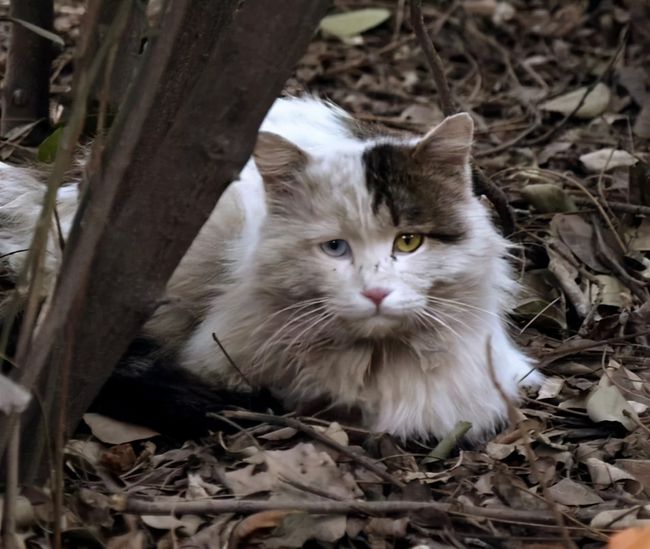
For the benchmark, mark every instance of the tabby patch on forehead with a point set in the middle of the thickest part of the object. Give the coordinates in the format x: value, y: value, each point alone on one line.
x: 414, y: 196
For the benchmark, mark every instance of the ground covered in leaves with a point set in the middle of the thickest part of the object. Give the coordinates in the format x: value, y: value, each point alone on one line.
x: 560, y: 94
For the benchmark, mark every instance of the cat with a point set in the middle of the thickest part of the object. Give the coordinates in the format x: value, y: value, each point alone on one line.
x: 345, y: 265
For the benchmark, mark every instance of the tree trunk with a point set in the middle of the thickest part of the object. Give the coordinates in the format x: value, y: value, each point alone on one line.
x: 26, y: 88
x: 187, y: 127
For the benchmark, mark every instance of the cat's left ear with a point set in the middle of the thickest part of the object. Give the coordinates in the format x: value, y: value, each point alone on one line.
x: 450, y: 142
x: 277, y: 159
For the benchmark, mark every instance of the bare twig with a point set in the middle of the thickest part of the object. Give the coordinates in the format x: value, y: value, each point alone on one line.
x: 620, y: 207
x: 572, y: 347
x: 433, y: 59
x: 482, y: 185
x: 230, y: 360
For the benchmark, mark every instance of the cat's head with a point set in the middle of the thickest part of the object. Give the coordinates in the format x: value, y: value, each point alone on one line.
x: 374, y: 238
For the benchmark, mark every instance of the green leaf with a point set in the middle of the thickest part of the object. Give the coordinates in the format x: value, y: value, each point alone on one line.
x: 352, y: 23
x: 47, y: 149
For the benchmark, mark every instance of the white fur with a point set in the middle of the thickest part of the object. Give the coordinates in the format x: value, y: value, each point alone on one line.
x: 410, y: 374
x: 426, y: 380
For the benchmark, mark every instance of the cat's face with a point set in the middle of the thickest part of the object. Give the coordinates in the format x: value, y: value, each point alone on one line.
x: 370, y: 241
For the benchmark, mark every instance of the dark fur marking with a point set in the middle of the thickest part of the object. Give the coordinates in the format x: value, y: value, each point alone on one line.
x: 415, y: 195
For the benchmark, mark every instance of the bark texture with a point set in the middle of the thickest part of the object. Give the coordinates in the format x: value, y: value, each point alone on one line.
x: 188, y: 125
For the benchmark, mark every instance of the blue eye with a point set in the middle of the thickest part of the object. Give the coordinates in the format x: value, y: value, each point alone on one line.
x: 335, y: 248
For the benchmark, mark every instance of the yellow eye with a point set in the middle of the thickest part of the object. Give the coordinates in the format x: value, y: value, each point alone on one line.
x: 407, y: 243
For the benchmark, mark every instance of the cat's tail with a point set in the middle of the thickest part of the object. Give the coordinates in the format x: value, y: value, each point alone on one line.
x: 149, y: 388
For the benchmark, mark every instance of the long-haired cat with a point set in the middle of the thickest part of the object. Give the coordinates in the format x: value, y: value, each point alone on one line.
x: 344, y: 266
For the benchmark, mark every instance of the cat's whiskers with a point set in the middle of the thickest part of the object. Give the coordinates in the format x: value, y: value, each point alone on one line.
x: 297, y: 353
x: 464, y: 306
x: 295, y: 317
x: 285, y: 331
x: 474, y: 309
x: 453, y: 313
x: 455, y: 319
x: 298, y: 305
x: 427, y: 314
x: 325, y: 316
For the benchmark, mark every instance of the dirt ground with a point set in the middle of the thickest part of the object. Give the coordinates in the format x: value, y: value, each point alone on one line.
x: 560, y: 94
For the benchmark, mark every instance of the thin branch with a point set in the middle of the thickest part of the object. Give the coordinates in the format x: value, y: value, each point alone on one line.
x: 576, y: 346
x: 620, y: 207
x: 122, y: 503
x: 482, y: 185
x: 432, y: 57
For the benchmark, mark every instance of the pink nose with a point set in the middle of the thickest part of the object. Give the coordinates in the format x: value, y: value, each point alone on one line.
x: 376, y: 295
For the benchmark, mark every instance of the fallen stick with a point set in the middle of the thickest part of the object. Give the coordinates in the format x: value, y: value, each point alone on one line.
x: 124, y: 504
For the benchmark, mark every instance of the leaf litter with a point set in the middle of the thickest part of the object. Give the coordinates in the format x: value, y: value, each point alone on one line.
x: 560, y: 96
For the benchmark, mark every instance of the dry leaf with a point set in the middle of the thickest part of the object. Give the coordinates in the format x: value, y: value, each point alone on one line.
x: 570, y: 492
x: 250, y: 525
x: 608, y: 404
x: 335, y: 432
x: 611, y: 292
x: 641, y: 237
x: 298, y: 528
x: 499, y: 451
x: 607, y: 159
x: 162, y: 522
x: 615, y: 518
x: 594, y: 105
x: 119, y: 459
x: 388, y: 527
x: 578, y: 236
x: 135, y: 539
x: 88, y: 450
x: 603, y: 474
x: 640, y: 468
x: 113, y: 431
x: 551, y: 388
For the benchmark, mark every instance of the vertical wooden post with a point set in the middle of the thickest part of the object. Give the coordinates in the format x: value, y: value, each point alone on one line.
x: 26, y: 89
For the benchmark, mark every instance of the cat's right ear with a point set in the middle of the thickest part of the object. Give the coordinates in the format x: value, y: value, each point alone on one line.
x: 450, y: 142
x: 277, y: 159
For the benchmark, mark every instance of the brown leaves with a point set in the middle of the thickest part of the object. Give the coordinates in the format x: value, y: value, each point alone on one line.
x: 519, y: 68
